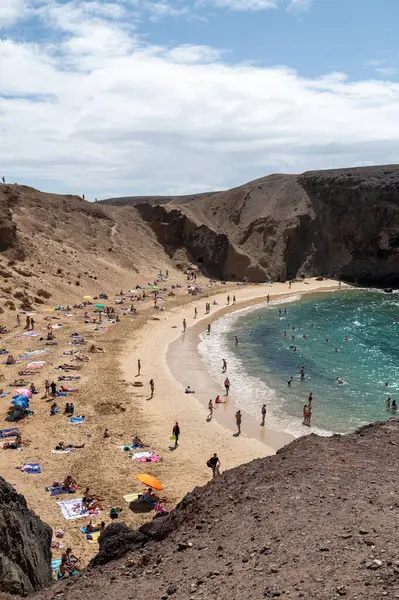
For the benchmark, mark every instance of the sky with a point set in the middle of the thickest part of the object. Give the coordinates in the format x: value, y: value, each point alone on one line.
x: 140, y: 97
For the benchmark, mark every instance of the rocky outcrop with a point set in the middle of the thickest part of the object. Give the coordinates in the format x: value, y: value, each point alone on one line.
x: 341, y: 223
x: 25, y: 554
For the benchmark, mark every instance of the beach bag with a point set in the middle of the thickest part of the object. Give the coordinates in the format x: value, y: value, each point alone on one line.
x: 173, y: 438
x: 209, y: 464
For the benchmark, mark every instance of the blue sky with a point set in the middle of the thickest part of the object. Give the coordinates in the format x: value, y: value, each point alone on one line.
x: 177, y: 96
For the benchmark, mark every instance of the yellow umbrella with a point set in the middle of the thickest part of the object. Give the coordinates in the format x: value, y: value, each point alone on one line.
x: 149, y: 480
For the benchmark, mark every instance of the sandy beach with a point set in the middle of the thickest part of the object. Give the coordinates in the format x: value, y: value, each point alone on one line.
x: 108, y: 399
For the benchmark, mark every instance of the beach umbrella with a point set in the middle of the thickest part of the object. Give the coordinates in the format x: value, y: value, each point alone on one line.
x: 21, y: 401
x: 149, y: 480
x: 99, y: 305
x: 24, y: 392
x: 86, y: 297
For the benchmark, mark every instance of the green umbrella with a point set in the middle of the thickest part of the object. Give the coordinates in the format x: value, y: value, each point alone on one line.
x: 99, y: 305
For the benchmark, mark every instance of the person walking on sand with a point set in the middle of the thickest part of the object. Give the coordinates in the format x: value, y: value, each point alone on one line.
x: 263, y: 413
x: 176, y: 433
x: 195, y: 312
x: 209, y: 329
x: 47, y: 387
x: 18, y: 321
x: 138, y: 367
x: 184, y: 325
x: 210, y: 407
x: 214, y: 464
x: 238, y: 422
x: 268, y: 298
x: 32, y: 324
x: 228, y: 300
x: 227, y: 385
x: 234, y: 299
x: 152, y: 387
x: 27, y: 324
x: 224, y: 368
x: 305, y: 414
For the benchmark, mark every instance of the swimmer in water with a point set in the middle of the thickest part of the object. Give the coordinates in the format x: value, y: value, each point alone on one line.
x: 337, y: 350
x: 388, y: 403
x: 289, y: 381
x: 394, y: 406
x: 385, y: 385
x: 346, y: 339
x: 285, y: 334
x: 302, y: 372
x: 236, y: 340
x: 339, y: 380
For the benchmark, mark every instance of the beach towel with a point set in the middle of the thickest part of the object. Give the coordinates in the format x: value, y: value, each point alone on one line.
x: 138, y: 455
x: 31, y: 468
x: 59, y: 490
x: 131, y: 497
x: 5, y: 394
x: 91, y: 537
x: 67, y: 451
x: 154, y: 458
x: 36, y: 364
x: 73, y: 509
x: 55, y: 568
x: 76, y: 420
x: 6, y: 433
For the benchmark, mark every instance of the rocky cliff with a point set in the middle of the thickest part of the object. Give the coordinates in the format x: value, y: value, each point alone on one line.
x: 341, y: 223
x: 25, y: 554
x: 317, y: 521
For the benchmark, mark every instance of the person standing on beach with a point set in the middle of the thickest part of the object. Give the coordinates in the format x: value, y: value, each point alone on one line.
x: 228, y: 300
x: 224, y: 368
x: 195, y: 313
x: 53, y: 388
x: 18, y: 321
x: 210, y: 407
x: 214, y: 464
x: 227, y: 385
x: 263, y: 413
x: 305, y: 414
x: 27, y: 324
x: 32, y: 324
x: 209, y: 329
x: 268, y: 298
x: 289, y: 285
x: 236, y: 339
x: 238, y: 422
x: 184, y: 325
x: 176, y: 433
x: 152, y: 386
x: 234, y: 299
x: 47, y: 387
x: 138, y: 367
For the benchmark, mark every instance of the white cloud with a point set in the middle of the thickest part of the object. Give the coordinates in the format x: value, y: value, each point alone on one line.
x: 104, y: 113
x: 243, y: 5
x: 299, y: 5
x: 11, y: 11
x: 387, y: 70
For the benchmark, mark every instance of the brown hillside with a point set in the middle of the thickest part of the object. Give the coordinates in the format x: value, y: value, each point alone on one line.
x: 63, y: 245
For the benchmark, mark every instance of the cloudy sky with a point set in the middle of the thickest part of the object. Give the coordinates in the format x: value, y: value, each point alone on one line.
x: 177, y: 96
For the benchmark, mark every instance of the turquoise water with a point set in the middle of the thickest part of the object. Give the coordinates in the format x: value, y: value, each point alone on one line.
x: 261, y: 364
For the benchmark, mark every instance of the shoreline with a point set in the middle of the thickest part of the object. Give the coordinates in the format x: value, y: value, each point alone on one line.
x: 155, y: 342
x: 187, y: 367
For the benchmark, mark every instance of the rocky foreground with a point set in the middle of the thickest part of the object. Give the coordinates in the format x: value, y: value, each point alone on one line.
x: 317, y: 521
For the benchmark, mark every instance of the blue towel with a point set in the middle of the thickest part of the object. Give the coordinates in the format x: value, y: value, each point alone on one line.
x: 5, y: 433
x: 75, y: 420
x: 34, y: 470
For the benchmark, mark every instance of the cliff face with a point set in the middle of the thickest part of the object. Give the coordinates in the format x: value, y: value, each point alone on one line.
x: 25, y: 554
x: 341, y: 223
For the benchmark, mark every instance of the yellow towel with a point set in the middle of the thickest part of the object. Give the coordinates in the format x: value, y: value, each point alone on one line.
x: 130, y: 497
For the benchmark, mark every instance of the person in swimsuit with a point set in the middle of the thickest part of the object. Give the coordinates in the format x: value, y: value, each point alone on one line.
x: 238, y: 421
x: 210, y: 407
x: 227, y: 385
x: 263, y: 413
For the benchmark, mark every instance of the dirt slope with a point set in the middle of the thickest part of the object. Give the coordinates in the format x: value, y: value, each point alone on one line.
x: 64, y: 245
x: 316, y: 521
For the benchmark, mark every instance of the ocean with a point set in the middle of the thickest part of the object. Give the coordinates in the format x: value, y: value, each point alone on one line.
x: 262, y: 362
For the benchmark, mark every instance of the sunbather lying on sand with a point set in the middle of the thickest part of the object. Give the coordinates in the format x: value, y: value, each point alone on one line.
x: 96, y: 527
x: 62, y: 446
x: 90, y: 502
x: 15, y: 445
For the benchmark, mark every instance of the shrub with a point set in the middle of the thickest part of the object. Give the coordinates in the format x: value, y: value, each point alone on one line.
x: 7, y: 290
x: 77, y: 282
x: 38, y: 300
x: 26, y: 305
x: 10, y: 304
x: 43, y: 293
x: 4, y: 273
x: 20, y: 295
x: 23, y: 272
x: 59, y: 271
